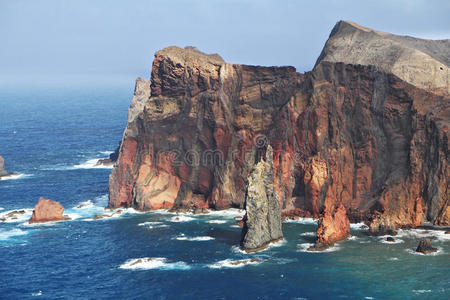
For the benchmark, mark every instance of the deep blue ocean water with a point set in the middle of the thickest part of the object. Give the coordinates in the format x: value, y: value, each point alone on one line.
x: 52, y: 133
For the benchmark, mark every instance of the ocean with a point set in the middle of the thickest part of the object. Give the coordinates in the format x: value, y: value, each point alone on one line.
x: 52, y: 134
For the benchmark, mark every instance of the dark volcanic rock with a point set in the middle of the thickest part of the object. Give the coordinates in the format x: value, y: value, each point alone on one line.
x: 356, y: 130
x: 425, y: 246
x: 390, y: 239
x: 262, y: 221
x: 111, y: 159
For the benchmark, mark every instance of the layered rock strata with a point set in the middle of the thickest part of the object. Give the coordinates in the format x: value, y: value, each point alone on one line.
x: 262, y: 221
x: 351, y: 132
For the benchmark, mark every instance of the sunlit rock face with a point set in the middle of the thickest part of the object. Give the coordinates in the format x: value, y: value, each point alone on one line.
x: 262, y: 221
x: 350, y: 132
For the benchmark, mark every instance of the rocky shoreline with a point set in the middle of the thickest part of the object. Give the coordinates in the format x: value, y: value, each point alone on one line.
x: 363, y: 137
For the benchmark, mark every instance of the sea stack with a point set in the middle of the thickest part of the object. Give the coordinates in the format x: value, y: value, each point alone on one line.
x: 47, y: 210
x: 425, y: 246
x: 333, y: 226
x: 2, y: 168
x: 262, y: 221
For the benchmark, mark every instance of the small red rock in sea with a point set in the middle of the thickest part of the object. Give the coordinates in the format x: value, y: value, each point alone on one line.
x: 47, y: 211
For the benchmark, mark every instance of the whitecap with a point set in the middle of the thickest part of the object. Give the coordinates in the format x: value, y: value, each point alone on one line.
x: 194, y: 239
x: 228, y: 213
x: 313, y: 234
x: 237, y: 249
x: 216, y: 221
x: 396, y: 240
x: 1, y: 208
x: 106, y: 152
x: 181, y: 218
x: 147, y: 263
x: 93, y: 164
x: 301, y: 221
x: 393, y: 258
x: 439, y: 235
x: 39, y: 293
x: 15, y: 176
x: 359, y: 226
x: 229, y: 263
x: 7, y: 234
x: 352, y: 238
x: 421, y: 291
x: 413, y: 251
x: 84, y: 205
x: 149, y: 223
x: 16, y: 215
x: 305, y: 246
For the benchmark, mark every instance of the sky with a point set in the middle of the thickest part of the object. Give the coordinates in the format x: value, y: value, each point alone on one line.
x: 117, y: 39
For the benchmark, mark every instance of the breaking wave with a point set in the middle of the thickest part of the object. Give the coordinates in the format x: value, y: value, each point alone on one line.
x: 229, y: 263
x: 7, y: 234
x: 304, y: 248
x: 181, y: 218
x: 194, y: 239
x: 15, y: 176
x: 147, y: 263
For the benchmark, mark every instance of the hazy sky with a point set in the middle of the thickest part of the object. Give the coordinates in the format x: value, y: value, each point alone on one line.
x: 55, y: 38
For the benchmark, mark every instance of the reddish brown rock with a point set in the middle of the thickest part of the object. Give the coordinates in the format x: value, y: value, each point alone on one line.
x: 343, y: 133
x: 47, y: 210
x: 333, y: 226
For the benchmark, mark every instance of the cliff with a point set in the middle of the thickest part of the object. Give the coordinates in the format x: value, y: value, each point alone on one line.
x: 353, y: 131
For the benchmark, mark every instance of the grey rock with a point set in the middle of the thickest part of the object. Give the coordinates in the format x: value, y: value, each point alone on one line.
x: 425, y: 246
x: 423, y: 63
x: 2, y: 168
x: 262, y: 222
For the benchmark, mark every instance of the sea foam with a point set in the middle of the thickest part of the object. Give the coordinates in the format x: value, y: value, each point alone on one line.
x: 229, y: 263
x: 147, y: 263
x: 7, y: 234
x: 304, y: 248
x: 195, y: 238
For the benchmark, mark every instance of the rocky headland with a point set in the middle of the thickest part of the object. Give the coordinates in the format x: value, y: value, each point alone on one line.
x: 363, y: 137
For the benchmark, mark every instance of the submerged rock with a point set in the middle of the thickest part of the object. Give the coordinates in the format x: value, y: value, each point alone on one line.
x: 425, y: 246
x: 333, y: 226
x: 47, y: 210
x: 12, y: 215
x: 106, y: 216
x: 262, y: 221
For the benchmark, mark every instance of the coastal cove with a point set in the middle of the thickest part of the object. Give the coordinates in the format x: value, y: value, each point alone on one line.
x: 54, y: 140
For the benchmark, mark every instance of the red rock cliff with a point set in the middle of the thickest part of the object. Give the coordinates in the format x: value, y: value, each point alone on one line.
x: 344, y: 133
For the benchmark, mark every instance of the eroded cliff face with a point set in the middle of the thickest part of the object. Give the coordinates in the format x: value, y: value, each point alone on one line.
x: 343, y: 133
